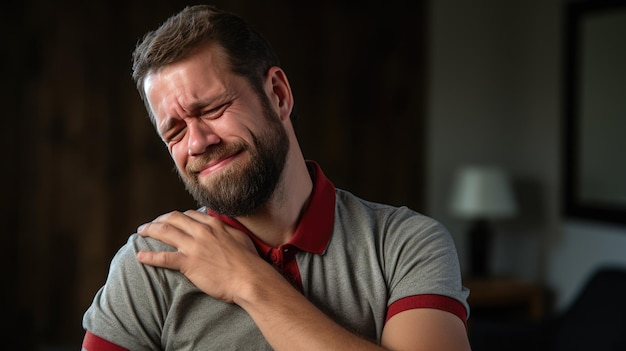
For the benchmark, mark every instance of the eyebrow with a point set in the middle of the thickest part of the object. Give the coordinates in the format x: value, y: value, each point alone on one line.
x: 199, y: 104
x: 170, y: 121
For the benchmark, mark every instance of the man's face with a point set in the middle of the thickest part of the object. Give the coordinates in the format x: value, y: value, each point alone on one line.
x: 228, y: 145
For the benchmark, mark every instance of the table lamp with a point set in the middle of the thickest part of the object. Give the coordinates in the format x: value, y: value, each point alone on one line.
x: 481, y: 194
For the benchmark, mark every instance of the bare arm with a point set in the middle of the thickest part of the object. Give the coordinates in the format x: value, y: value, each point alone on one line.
x: 425, y: 329
x: 223, y: 263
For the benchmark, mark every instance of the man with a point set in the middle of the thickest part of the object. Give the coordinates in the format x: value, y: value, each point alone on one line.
x: 276, y: 258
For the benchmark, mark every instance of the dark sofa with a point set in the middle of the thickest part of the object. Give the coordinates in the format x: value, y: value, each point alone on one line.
x: 595, y: 320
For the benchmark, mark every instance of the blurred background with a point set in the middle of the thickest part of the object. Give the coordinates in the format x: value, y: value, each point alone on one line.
x: 394, y: 100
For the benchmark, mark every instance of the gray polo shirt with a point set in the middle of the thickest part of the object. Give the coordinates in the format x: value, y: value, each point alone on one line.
x: 360, y: 262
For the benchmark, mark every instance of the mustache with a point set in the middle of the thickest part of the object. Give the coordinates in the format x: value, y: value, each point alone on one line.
x: 215, y: 153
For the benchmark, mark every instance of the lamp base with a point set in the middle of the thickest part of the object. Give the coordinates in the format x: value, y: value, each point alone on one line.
x: 480, y: 235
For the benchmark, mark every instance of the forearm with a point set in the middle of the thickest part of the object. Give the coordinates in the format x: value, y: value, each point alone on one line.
x: 224, y: 264
x: 290, y: 322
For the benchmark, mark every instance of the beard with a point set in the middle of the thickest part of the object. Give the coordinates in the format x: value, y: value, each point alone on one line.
x: 242, y: 188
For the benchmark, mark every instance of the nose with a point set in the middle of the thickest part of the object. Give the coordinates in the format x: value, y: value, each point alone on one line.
x: 201, y: 136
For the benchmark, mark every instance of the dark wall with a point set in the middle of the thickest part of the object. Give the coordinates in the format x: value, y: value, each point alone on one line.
x: 83, y: 166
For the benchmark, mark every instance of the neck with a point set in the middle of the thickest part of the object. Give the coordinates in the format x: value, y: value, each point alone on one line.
x: 276, y: 223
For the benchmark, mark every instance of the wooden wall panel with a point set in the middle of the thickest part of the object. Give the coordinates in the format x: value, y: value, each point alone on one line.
x: 83, y: 166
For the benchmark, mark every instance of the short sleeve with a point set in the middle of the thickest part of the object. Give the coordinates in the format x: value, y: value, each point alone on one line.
x: 421, y: 259
x: 130, y: 309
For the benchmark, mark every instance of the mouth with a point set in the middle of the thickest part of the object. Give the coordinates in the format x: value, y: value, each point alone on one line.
x: 217, y: 164
x: 215, y: 160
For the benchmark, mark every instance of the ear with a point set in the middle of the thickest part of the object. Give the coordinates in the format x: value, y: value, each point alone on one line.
x: 279, y: 92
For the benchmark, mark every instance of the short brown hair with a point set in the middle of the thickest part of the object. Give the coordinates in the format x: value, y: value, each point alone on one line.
x: 248, y: 53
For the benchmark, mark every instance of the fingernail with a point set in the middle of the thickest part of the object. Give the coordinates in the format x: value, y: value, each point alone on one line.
x: 141, y: 228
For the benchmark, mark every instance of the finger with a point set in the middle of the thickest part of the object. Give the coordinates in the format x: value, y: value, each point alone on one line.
x: 165, y: 259
x: 166, y: 233
x: 216, y: 224
x: 191, y: 222
x: 204, y: 218
x: 175, y: 218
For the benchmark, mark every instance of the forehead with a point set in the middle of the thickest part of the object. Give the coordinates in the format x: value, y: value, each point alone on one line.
x: 203, y: 72
x: 208, y: 58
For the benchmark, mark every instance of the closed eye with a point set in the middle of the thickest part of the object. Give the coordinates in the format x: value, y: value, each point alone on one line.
x: 175, y: 131
x: 217, y: 111
x: 175, y: 128
x: 176, y: 135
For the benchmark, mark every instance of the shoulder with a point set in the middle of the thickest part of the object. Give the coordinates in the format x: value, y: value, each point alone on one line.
x: 127, y: 274
x: 395, y: 234
x: 386, y: 219
x: 126, y: 256
x: 135, y: 298
x: 348, y: 200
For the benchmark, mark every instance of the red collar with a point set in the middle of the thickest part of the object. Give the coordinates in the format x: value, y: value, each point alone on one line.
x: 316, y: 225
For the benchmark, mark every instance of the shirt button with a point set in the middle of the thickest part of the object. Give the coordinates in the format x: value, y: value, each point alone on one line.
x: 274, y: 257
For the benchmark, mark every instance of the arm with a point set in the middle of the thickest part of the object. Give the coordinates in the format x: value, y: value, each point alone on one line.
x: 127, y: 311
x: 290, y: 322
x: 425, y: 329
x: 223, y: 263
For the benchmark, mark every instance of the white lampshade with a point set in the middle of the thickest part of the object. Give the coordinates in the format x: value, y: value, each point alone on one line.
x: 482, y: 193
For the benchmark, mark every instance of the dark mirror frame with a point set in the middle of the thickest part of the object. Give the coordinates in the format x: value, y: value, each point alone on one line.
x: 576, y: 12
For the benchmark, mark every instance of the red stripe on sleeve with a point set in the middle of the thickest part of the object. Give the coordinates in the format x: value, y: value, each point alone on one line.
x: 438, y: 302
x: 92, y: 342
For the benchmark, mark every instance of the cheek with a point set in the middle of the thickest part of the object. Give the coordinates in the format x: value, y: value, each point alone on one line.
x: 179, y: 155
